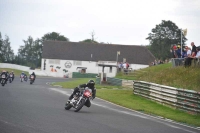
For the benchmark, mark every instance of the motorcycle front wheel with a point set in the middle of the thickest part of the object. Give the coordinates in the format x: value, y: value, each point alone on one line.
x: 81, y: 104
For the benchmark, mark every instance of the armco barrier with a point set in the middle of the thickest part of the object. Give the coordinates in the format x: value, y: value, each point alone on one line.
x: 185, y: 100
x: 83, y: 75
x: 114, y: 81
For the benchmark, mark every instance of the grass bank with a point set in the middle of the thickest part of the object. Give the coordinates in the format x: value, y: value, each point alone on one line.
x: 165, y: 74
x: 16, y: 72
x: 127, y: 99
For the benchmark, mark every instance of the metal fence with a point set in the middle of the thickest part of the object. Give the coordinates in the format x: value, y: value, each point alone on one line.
x: 186, y: 100
x: 178, y: 62
x: 117, y: 82
x: 83, y: 75
x: 181, y: 62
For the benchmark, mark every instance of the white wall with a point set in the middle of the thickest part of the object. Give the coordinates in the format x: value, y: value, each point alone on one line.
x: 138, y: 66
x: 14, y: 66
x: 92, y: 67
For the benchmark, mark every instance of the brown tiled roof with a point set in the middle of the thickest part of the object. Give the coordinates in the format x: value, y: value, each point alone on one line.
x: 134, y: 54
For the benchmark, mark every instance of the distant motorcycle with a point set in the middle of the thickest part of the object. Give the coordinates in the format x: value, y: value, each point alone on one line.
x: 10, y: 78
x: 3, y: 79
x: 21, y: 78
x: 25, y: 78
x: 79, y: 99
x: 31, y: 79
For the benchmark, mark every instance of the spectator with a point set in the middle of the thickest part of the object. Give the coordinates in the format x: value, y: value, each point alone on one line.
x: 127, y: 65
x: 178, y: 52
x: 124, y: 65
x: 188, y: 50
x: 194, y: 52
x: 119, y: 66
x: 172, y: 50
x: 198, y: 52
x: 190, y: 57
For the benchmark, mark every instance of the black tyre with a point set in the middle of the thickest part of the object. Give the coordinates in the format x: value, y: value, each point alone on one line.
x: 68, y: 106
x: 2, y: 82
x: 81, y: 104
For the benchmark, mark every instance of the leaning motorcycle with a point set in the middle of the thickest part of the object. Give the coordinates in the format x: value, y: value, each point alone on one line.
x: 79, y: 99
x: 31, y: 79
x: 3, y: 79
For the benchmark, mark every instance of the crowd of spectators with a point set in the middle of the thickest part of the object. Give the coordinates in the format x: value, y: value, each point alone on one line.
x: 123, y: 66
x: 187, y: 54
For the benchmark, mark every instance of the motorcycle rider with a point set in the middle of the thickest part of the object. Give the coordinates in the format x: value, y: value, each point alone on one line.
x: 33, y: 75
x: 24, y: 75
x: 13, y: 75
x: 91, y: 85
x: 6, y: 74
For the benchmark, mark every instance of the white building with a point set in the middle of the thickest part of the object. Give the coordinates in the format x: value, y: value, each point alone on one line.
x: 60, y: 58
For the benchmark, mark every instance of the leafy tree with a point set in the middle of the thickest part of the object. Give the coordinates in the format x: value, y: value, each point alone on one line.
x: 30, y: 53
x: 162, y: 37
x: 6, y: 53
x: 1, y: 43
x: 54, y: 36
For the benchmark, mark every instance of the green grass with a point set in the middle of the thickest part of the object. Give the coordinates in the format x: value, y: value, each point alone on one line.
x: 16, y: 72
x: 165, y: 74
x: 78, y: 81
x: 127, y: 99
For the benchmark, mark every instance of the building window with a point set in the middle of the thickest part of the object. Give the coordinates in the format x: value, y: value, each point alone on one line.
x: 54, y: 61
x: 77, y: 63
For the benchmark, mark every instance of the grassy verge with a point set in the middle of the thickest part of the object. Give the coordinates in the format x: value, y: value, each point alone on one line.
x: 127, y: 99
x: 165, y: 74
x: 16, y: 72
x: 74, y: 83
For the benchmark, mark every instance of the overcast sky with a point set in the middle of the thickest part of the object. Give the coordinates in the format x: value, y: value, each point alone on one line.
x: 113, y: 21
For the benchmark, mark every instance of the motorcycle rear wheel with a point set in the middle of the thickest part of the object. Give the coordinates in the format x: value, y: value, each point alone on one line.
x: 68, y: 106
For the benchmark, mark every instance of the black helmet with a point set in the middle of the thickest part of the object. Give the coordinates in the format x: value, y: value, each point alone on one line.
x: 91, y: 83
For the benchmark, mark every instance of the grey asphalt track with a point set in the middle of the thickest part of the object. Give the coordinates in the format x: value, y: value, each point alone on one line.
x: 39, y: 108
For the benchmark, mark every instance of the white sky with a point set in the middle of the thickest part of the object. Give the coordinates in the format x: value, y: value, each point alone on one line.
x: 113, y: 21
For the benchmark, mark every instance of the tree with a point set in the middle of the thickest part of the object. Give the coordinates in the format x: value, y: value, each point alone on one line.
x: 1, y: 43
x: 54, y: 36
x: 163, y: 36
x: 30, y: 53
x: 92, y: 40
x: 6, y: 53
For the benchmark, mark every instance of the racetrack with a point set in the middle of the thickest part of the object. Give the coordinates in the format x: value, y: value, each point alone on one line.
x: 39, y: 108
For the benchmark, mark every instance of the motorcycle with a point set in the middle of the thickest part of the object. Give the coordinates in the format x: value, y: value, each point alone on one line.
x: 31, y: 79
x: 10, y: 78
x: 79, y: 99
x: 21, y: 78
x: 3, y: 79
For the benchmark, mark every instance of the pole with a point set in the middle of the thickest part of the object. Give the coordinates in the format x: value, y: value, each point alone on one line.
x: 117, y: 58
x: 181, y: 42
